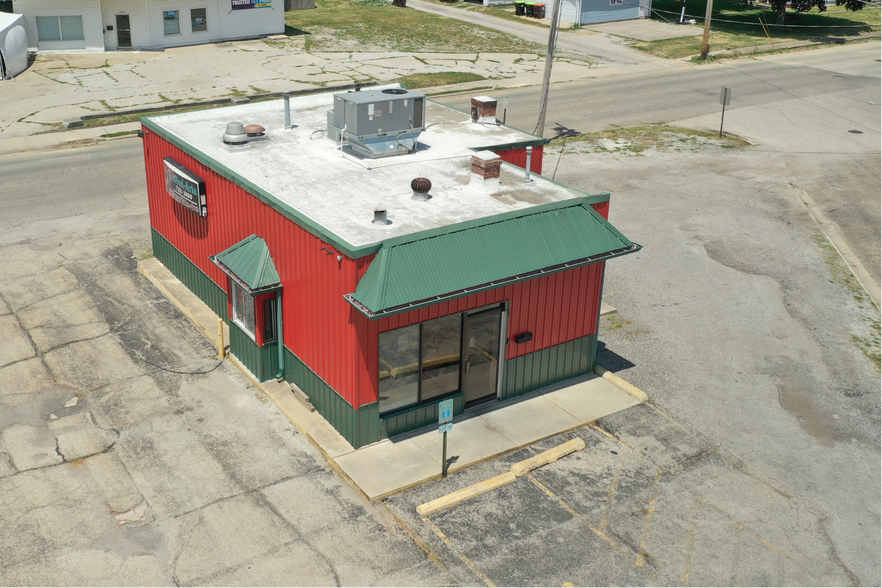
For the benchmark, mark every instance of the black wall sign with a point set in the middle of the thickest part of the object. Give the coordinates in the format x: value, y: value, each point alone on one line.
x: 185, y: 187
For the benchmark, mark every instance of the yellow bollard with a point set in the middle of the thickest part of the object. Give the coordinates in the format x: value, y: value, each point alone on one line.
x: 221, y: 352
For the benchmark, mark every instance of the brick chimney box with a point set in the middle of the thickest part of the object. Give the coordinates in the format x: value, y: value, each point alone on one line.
x: 483, y: 109
x: 486, y: 165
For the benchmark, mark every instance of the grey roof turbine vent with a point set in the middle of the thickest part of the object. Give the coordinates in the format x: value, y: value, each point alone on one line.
x: 235, y: 134
x: 421, y: 187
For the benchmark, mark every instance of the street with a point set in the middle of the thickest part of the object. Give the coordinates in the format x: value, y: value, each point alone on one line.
x: 797, y: 108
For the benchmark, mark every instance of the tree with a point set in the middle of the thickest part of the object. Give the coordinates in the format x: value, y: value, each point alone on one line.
x: 780, y: 6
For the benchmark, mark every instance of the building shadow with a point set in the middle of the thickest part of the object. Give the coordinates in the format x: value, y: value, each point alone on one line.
x: 611, y: 360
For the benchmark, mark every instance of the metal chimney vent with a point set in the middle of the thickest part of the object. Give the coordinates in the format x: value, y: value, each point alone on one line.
x: 380, y: 216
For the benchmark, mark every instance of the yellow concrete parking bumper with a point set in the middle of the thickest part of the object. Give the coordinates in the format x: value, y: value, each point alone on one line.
x: 459, y: 496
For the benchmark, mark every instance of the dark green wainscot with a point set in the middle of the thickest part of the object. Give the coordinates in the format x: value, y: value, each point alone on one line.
x: 263, y: 362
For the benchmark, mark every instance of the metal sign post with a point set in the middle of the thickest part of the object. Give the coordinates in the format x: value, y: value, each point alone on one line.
x: 725, y: 97
x: 445, y: 416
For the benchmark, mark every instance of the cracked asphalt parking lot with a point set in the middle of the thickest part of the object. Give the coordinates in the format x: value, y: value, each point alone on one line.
x: 647, y: 502
x: 160, y: 478
x: 154, y: 477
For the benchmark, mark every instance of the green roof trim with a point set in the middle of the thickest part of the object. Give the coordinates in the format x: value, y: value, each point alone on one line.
x: 249, y: 262
x: 341, y: 244
x: 469, y: 257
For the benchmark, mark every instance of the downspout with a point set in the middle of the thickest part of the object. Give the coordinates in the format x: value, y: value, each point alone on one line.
x: 599, y: 309
x: 279, y: 337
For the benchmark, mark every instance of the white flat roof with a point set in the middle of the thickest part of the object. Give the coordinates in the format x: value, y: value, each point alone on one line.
x: 307, y: 171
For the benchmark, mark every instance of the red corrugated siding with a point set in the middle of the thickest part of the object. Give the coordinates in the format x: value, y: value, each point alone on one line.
x: 602, y: 208
x: 556, y: 308
x: 335, y: 340
x: 317, y: 321
x: 519, y: 157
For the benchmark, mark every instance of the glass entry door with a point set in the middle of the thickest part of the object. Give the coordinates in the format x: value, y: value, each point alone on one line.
x: 123, y: 31
x: 482, y: 341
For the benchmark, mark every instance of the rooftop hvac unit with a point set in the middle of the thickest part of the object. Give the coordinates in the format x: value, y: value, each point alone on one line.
x: 378, y: 123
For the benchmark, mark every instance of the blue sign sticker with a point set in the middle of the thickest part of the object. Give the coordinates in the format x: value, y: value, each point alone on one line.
x: 445, y: 411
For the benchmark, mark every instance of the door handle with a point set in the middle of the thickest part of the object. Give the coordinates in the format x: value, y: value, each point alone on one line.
x: 468, y: 367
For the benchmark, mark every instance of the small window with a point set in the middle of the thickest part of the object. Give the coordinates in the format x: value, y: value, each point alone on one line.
x: 270, y: 321
x: 71, y: 28
x: 198, y: 22
x: 48, y: 28
x: 614, y: 2
x: 171, y: 22
x: 60, y: 28
x: 243, y: 308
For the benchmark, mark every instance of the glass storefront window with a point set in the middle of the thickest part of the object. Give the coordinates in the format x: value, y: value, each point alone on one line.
x: 399, y: 355
x: 171, y: 22
x: 198, y: 22
x: 419, y: 362
x: 441, y: 344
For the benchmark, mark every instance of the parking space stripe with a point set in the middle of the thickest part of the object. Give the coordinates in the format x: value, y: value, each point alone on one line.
x: 585, y: 521
x: 461, y: 555
x: 650, y: 512
x: 612, y: 493
x: 687, y: 562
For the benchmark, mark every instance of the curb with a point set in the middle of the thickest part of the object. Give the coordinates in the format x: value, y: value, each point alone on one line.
x: 462, y: 495
x: 546, y: 457
x: 831, y: 232
x: 620, y: 383
x: 517, y: 470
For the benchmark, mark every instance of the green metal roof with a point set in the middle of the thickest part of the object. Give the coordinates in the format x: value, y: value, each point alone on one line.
x: 463, y: 260
x: 249, y: 261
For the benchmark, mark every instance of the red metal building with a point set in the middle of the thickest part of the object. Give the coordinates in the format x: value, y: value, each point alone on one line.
x: 314, y: 235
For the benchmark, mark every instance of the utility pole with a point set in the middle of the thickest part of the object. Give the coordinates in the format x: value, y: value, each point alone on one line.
x: 707, y: 21
x: 549, y: 61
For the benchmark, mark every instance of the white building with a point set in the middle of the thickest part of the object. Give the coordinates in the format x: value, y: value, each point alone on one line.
x: 99, y: 25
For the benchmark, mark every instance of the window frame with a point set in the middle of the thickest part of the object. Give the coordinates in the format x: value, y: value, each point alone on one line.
x: 248, y: 303
x: 204, y: 24
x: 421, y: 400
x: 61, y: 38
x: 270, y: 312
x: 177, y: 19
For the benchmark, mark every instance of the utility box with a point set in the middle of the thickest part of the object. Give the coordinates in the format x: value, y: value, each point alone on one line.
x: 379, y: 112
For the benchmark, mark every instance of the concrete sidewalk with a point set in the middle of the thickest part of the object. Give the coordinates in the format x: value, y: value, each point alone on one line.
x: 392, y: 465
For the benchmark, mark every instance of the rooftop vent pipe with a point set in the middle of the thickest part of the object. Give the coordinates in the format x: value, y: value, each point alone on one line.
x: 421, y: 187
x: 380, y: 216
x: 527, y: 177
x: 235, y: 134
x: 287, y: 96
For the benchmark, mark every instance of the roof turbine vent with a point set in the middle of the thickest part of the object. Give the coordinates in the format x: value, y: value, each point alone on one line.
x: 255, y: 133
x: 421, y: 187
x: 235, y: 134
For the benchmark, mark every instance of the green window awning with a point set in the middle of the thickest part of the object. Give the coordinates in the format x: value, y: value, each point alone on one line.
x: 474, y: 257
x: 249, y: 262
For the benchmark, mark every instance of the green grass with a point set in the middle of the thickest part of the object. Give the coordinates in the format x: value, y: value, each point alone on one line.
x: 868, y: 343
x: 636, y: 140
x: 371, y: 25
x: 120, y: 134
x: 427, y: 80
x: 746, y: 30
